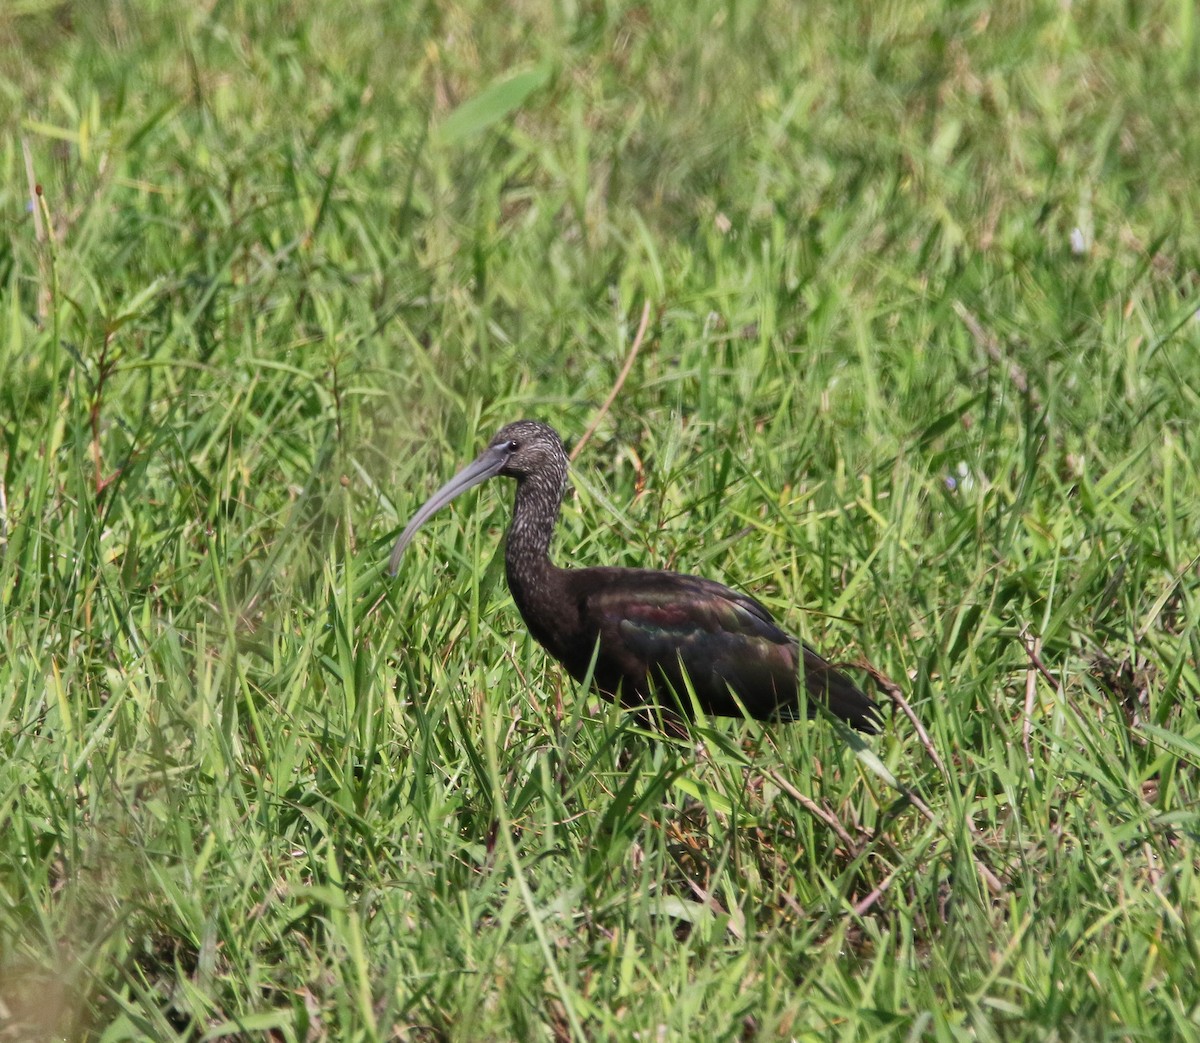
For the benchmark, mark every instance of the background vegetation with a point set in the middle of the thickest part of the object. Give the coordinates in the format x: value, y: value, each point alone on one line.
x: 921, y: 370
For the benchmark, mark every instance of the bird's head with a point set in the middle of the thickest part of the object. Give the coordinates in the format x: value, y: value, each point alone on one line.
x: 520, y: 450
x: 527, y: 447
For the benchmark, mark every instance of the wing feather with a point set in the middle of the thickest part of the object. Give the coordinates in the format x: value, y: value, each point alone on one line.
x: 655, y: 628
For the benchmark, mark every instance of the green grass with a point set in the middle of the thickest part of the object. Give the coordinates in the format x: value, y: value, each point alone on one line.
x: 922, y: 372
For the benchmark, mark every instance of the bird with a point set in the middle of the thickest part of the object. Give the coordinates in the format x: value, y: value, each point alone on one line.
x: 656, y: 641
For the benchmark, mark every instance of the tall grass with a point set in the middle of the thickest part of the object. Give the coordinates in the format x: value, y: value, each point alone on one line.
x: 920, y: 372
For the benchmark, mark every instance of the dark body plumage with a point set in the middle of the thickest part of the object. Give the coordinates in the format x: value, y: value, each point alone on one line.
x: 644, y: 629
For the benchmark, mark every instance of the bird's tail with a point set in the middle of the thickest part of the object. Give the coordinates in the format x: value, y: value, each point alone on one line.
x: 841, y: 696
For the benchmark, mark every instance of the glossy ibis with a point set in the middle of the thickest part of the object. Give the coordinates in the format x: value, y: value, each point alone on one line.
x: 643, y: 628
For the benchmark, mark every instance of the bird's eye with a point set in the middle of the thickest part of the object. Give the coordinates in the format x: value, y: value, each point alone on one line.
x: 513, y: 445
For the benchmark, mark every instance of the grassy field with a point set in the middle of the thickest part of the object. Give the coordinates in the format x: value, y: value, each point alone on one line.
x: 921, y: 371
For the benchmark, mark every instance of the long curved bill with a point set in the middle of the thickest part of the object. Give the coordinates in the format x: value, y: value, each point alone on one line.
x: 484, y: 466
